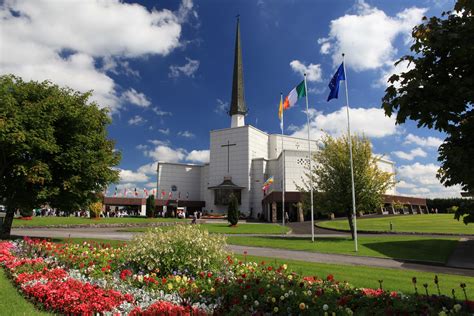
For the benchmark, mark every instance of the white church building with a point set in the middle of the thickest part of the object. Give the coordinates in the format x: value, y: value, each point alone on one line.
x: 242, y: 158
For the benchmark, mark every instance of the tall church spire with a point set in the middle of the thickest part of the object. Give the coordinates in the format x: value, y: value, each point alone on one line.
x: 238, y: 109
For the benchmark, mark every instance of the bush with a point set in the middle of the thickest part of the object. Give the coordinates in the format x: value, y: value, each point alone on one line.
x: 181, y: 248
x: 150, y: 206
x: 233, y: 211
x: 453, y: 209
x: 26, y: 213
x: 95, y: 209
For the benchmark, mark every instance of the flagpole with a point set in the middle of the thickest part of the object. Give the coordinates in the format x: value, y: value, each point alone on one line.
x: 283, y: 166
x: 354, y: 217
x: 310, y: 160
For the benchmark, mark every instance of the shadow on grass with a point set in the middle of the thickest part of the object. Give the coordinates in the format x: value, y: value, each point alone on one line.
x: 427, y: 250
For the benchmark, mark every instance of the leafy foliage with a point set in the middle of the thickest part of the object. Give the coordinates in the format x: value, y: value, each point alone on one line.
x: 182, y: 248
x: 331, y: 175
x: 439, y: 91
x: 95, y: 209
x: 150, y: 206
x: 233, y: 210
x: 53, y: 147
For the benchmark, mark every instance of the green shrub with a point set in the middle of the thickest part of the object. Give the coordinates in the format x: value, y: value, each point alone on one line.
x: 233, y: 210
x: 26, y: 212
x: 453, y: 209
x: 150, y: 206
x: 181, y: 248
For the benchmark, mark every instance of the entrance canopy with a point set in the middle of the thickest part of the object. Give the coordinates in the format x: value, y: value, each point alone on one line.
x: 223, y: 192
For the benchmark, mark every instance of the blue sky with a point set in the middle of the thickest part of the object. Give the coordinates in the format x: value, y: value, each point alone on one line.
x: 165, y: 68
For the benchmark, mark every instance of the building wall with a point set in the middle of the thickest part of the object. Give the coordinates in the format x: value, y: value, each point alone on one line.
x: 238, y: 167
x: 186, y: 177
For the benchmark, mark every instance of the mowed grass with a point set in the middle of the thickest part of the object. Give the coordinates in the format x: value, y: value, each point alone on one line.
x: 423, y: 223
x: 397, y: 247
x: 11, y: 301
x: 51, y: 221
x: 362, y: 276
x: 223, y: 228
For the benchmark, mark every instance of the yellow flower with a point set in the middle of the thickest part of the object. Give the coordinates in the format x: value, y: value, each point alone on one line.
x: 213, y: 290
x: 170, y: 286
x: 273, y: 300
x: 302, y: 306
x: 285, y: 266
x: 275, y: 309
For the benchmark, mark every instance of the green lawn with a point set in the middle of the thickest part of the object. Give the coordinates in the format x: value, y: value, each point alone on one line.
x: 47, y: 221
x: 415, y: 248
x: 225, y: 229
x: 361, y: 276
x: 425, y: 223
x: 11, y: 301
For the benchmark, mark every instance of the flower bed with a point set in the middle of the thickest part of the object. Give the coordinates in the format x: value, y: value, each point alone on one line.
x: 93, y: 278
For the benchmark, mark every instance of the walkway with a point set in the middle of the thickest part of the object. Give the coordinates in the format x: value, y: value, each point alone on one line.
x: 112, y: 233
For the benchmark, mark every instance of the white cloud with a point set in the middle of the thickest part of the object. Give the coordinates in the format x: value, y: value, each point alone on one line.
x: 367, y: 36
x: 130, y: 176
x: 67, y: 41
x: 429, y: 141
x: 136, y: 120
x: 201, y: 156
x: 187, y: 69
x: 222, y: 107
x: 141, y: 147
x: 157, y: 142
x: 148, y: 169
x: 137, y: 98
x: 166, y: 154
x: 186, y: 134
x: 391, y: 70
x: 313, y: 72
x: 412, y: 154
x: 371, y: 121
x: 160, y: 112
x: 420, y: 180
x: 164, y: 131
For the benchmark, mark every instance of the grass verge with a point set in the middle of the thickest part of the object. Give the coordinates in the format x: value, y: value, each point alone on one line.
x: 397, y: 247
x: 51, y: 221
x: 419, y: 223
x: 223, y: 228
x: 11, y: 301
x: 361, y: 276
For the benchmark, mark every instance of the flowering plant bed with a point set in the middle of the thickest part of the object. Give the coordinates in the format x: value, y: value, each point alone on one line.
x: 92, y: 278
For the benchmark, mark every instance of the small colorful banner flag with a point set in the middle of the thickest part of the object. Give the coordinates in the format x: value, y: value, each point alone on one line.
x: 267, y: 183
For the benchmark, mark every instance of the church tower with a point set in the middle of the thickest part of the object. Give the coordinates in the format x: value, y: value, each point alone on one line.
x: 238, y: 109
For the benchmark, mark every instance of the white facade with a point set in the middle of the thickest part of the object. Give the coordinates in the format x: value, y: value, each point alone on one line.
x: 247, y: 156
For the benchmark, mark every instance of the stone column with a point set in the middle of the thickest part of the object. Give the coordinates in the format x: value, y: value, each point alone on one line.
x: 274, y: 212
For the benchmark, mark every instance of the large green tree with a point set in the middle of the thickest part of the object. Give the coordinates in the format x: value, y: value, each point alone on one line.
x: 438, y: 92
x: 331, y: 175
x: 53, y: 147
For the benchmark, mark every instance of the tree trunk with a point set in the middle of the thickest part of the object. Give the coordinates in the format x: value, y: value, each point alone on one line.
x: 351, y: 223
x: 7, y: 223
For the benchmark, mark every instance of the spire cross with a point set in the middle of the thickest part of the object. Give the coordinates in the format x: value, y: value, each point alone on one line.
x: 228, y: 153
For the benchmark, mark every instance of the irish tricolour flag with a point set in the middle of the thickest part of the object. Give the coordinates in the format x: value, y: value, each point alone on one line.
x: 297, y: 93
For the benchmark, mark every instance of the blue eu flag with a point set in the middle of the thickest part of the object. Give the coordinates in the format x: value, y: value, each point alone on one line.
x: 334, y: 84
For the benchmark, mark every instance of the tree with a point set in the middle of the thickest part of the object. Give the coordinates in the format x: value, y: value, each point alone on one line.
x: 53, y: 148
x: 233, y: 210
x: 331, y: 176
x: 438, y: 92
x: 150, y: 206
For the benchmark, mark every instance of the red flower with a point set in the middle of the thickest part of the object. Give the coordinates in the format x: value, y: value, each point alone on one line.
x: 330, y: 278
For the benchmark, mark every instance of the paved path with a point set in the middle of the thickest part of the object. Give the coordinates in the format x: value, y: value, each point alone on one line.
x: 112, y: 233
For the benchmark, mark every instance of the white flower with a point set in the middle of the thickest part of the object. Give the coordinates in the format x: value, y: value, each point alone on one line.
x: 325, y: 307
x: 457, y: 307
x: 256, y: 303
